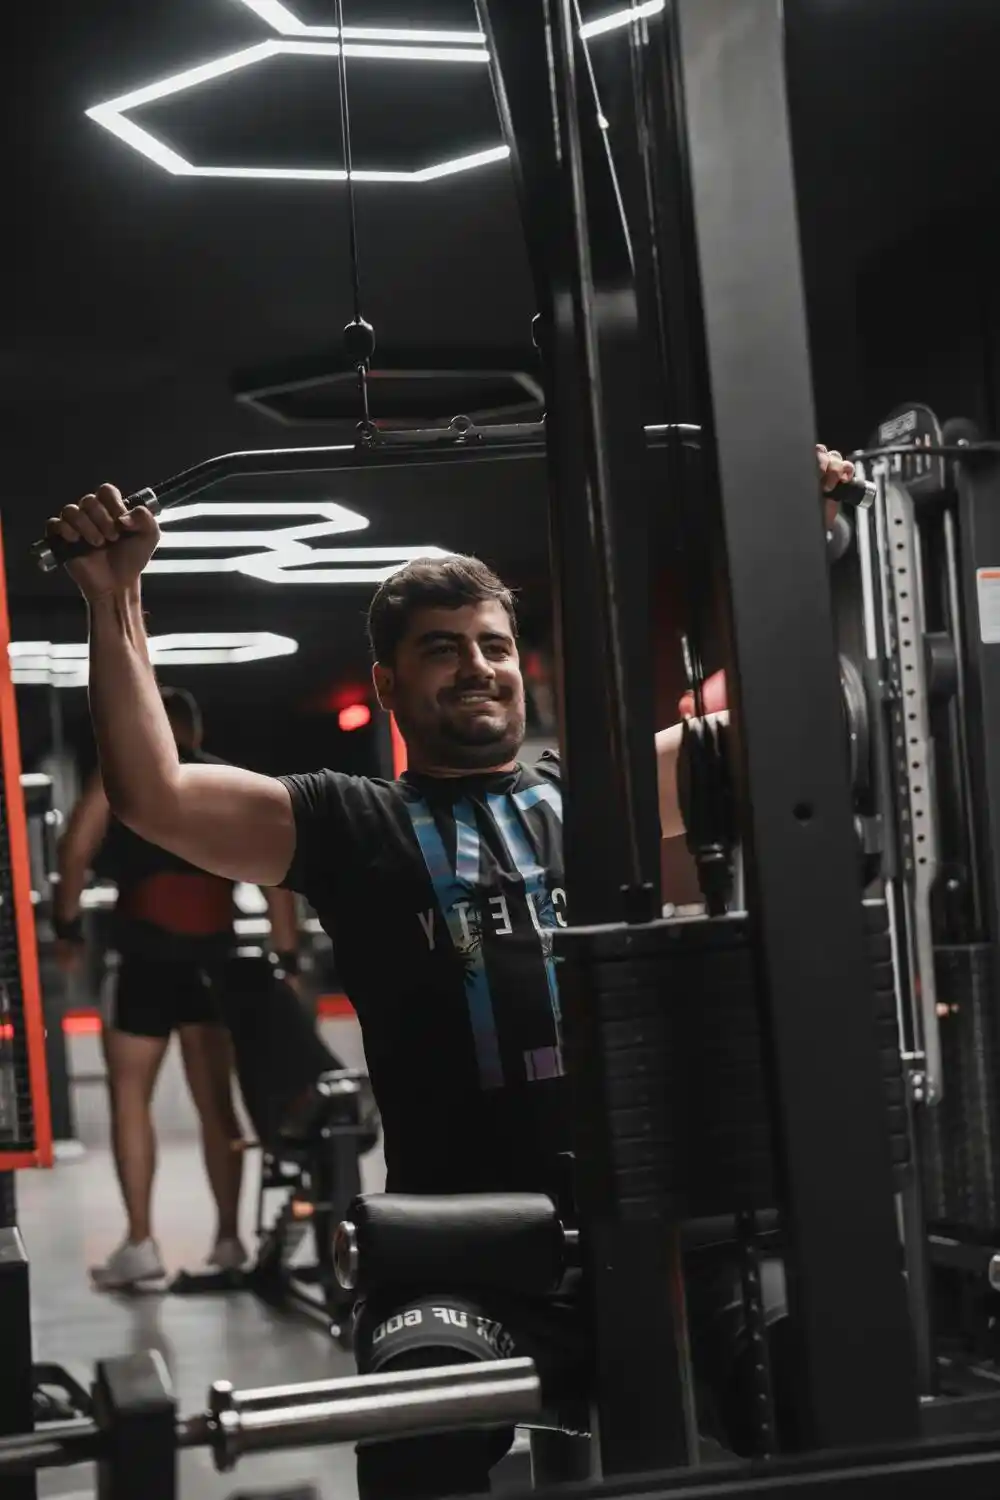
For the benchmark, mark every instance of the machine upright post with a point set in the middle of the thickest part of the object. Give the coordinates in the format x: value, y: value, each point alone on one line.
x: 601, y: 562
x: 595, y: 845
x: 857, y: 1377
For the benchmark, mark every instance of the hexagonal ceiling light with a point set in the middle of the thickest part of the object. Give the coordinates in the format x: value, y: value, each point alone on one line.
x: 114, y: 116
x: 278, y: 554
x: 48, y: 664
x: 286, y: 23
x: 297, y: 38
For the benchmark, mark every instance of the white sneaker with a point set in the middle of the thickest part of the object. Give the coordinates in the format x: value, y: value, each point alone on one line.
x: 228, y: 1255
x: 129, y: 1266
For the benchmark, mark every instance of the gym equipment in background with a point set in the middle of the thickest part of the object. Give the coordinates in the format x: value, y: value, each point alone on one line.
x: 314, y: 1120
x: 925, y: 562
x: 313, y: 1167
x: 25, y: 1124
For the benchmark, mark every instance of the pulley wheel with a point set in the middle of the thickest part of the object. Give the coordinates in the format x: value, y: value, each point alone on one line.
x: 839, y: 537
x: 855, y: 699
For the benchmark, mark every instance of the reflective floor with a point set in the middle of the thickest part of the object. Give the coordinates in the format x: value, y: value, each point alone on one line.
x: 70, y: 1218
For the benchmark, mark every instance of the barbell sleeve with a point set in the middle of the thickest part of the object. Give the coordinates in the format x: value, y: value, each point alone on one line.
x: 405, y: 1403
x: 223, y: 1396
x: 400, y: 1404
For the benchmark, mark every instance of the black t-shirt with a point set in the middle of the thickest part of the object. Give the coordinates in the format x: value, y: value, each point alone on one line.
x: 187, y: 921
x: 440, y: 897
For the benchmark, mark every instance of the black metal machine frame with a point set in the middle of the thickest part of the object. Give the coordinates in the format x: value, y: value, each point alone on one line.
x: 846, y: 1293
x: 723, y: 63
x: 17, y: 1381
x: 707, y: 122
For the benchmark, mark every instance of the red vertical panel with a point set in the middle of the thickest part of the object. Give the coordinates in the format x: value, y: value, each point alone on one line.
x: 17, y: 833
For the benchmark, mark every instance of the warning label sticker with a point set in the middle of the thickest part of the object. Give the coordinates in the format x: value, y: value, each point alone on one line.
x: 988, y: 589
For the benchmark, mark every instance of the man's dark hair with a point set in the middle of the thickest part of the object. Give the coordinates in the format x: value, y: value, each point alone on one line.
x: 182, y: 710
x: 430, y: 583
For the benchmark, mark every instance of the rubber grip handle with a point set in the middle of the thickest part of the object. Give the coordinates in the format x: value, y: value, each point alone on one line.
x: 53, y: 552
x: 860, y: 493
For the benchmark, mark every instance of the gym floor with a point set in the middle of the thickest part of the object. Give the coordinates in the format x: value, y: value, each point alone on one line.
x: 71, y: 1217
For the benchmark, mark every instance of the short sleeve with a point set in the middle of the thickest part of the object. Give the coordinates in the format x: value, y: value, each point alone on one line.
x: 321, y: 830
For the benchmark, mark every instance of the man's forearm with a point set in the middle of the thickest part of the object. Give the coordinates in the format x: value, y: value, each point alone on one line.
x: 138, y: 755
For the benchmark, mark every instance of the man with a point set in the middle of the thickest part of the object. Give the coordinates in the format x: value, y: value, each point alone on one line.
x: 173, y: 931
x: 439, y: 889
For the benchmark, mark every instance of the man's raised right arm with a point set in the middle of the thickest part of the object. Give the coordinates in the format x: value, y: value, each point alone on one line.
x: 226, y: 820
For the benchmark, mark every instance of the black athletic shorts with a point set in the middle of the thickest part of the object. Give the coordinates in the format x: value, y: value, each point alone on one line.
x: 153, y: 996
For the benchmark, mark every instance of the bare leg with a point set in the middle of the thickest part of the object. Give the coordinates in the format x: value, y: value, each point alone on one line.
x: 133, y: 1064
x: 207, y: 1054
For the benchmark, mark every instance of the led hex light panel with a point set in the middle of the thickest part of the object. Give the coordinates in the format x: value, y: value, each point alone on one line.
x: 114, y: 116
x: 46, y: 664
x: 276, y: 554
x: 388, y: 44
x: 283, y: 20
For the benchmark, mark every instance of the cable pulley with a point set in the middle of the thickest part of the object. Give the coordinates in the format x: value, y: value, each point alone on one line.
x: 359, y: 335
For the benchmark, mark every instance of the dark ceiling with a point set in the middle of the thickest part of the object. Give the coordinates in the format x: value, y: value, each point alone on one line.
x: 133, y: 297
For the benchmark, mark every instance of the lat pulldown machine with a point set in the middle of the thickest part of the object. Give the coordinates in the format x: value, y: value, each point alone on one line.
x: 712, y: 227
x: 665, y: 258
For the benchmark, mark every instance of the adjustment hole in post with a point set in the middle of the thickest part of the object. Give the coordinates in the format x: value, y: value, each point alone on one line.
x: 802, y: 812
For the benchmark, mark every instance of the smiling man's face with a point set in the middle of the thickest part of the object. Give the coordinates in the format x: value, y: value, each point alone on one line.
x: 455, y: 688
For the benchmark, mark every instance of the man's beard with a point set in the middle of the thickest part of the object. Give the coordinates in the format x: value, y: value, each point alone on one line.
x: 482, y: 741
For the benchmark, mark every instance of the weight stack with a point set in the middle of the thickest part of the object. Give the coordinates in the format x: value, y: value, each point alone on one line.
x: 662, y: 1035
x: 662, y: 1041
x: 960, y: 1136
x: 879, y: 944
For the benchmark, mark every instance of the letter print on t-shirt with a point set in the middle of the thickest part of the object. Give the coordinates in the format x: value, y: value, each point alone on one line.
x: 481, y: 912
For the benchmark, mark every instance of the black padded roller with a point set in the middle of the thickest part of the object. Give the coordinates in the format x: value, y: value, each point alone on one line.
x: 502, y: 1241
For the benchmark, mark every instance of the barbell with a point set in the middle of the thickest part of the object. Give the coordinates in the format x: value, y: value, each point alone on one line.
x: 397, y: 1404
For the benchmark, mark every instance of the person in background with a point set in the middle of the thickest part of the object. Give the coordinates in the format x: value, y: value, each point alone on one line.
x: 173, y: 930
